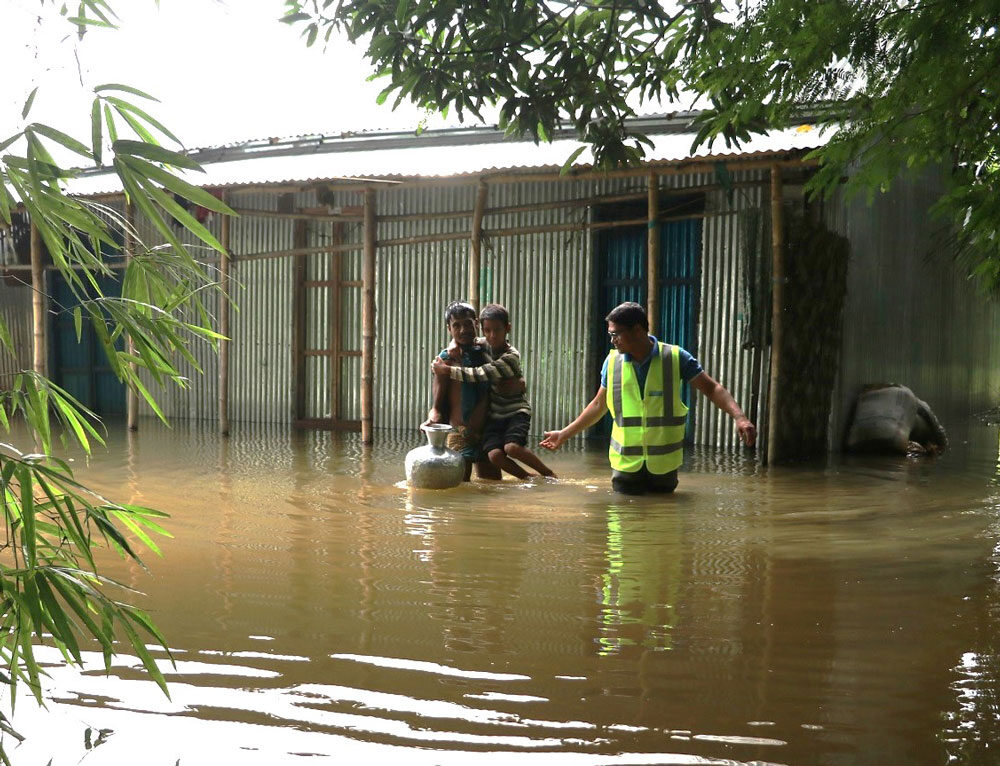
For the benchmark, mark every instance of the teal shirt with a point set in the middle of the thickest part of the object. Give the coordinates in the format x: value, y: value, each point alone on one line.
x: 472, y: 393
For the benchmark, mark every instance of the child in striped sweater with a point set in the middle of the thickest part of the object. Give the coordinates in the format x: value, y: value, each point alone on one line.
x: 506, y: 434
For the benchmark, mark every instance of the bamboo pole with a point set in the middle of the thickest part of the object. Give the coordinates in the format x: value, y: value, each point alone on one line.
x: 653, y: 253
x: 673, y: 168
x: 475, y: 251
x: 368, y: 317
x: 334, y: 310
x: 38, y: 296
x: 297, y: 251
x: 573, y: 202
x: 702, y: 165
x: 224, y: 325
x: 131, y: 397
x: 442, y: 237
x: 774, y: 447
x: 300, y: 235
x: 296, y: 214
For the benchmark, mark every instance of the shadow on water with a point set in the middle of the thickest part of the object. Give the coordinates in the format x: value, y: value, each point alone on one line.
x: 843, y: 612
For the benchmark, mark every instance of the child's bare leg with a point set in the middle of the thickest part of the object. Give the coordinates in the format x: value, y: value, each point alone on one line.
x: 527, y: 457
x: 499, y: 458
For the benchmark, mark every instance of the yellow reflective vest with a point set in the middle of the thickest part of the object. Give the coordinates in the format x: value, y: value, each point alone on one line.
x: 648, y: 428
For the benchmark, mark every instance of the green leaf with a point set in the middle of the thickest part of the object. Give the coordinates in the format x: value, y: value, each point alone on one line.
x: 130, y: 107
x: 11, y: 140
x: 63, y: 631
x: 28, y: 103
x: 124, y: 89
x: 96, y: 136
x: 567, y: 166
x: 181, y: 215
x: 6, y: 339
x: 147, y: 659
x: 110, y: 122
x: 155, y: 153
x: 68, y: 141
x: 28, y: 515
x: 179, y: 186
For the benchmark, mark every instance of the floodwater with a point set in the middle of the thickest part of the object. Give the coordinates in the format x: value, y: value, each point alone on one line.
x: 321, y: 612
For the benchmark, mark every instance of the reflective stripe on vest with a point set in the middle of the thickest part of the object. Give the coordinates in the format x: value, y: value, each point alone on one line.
x: 648, y: 428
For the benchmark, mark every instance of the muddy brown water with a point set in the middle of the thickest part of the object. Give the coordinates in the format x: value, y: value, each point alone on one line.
x: 844, y: 613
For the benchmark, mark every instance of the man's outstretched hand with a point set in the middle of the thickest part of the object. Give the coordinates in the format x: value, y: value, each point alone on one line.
x: 553, y: 440
x: 747, y: 431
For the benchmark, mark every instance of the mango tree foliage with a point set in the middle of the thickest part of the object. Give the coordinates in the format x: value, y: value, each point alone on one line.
x: 900, y: 84
x: 51, y: 588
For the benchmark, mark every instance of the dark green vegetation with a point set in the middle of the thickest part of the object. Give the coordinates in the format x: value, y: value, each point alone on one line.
x: 902, y: 84
x: 52, y: 591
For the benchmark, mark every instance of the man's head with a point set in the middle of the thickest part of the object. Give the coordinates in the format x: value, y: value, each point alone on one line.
x: 495, y: 322
x: 461, y: 320
x: 628, y: 329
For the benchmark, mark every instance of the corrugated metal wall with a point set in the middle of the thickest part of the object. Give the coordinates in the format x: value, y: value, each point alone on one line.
x: 720, y: 328
x: 911, y: 317
x: 15, y: 313
x: 545, y: 279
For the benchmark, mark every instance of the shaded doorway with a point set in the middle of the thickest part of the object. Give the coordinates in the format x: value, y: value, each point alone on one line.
x: 79, y: 365
x: 621, y: 272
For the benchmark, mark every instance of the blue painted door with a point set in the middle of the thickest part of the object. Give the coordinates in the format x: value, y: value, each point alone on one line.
x: 80, y: 366
x: 621, y: 276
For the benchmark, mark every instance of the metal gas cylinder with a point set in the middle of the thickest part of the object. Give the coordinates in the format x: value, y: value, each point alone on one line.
x: 434, y: 466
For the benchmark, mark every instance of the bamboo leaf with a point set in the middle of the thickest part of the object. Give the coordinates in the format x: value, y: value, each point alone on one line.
x: 177, y: 185
x: 113, y: 86
x: 27, y: 104
x: 147, y: 659
x: 126, y: 106
x: 155, y: 153
x: 96, y: 136
x: 58, y: 136
x: 62, y: 631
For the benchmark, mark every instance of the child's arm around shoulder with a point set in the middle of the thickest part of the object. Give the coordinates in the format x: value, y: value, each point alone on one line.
x: 504, y: 367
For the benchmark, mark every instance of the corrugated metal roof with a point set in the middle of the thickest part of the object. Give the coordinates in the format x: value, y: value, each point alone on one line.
x: 429, y: 162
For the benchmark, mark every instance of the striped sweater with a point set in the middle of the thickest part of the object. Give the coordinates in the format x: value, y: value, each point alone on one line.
x: 504, y: 367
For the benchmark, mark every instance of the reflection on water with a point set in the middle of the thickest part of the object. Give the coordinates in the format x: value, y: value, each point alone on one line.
x: 315, y: 606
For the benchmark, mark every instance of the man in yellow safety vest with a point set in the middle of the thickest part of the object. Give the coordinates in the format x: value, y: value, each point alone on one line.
x: 641, y: 387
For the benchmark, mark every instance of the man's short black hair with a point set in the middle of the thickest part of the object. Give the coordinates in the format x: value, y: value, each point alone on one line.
x: 494, y: 311
x: 628, y: 315
x: 457, y: 309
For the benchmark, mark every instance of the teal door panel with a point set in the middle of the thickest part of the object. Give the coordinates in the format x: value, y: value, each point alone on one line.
x: 80, y: 366
x: 621, y: 276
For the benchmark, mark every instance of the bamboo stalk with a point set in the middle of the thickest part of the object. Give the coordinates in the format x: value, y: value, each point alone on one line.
x: 299, y: 309
x: 368, y: 317
x: 224, y: 326
x: 38, y: 299
x: 475, y: 250
x: 442, y: 237
x: 666, y: 167
x: 296, y: 215
x: 566, y: 203
x: 297, y: 251
x: 131, y: 397
x: 653, y: 253
x: 774, y: 447
x: 333, y: 322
